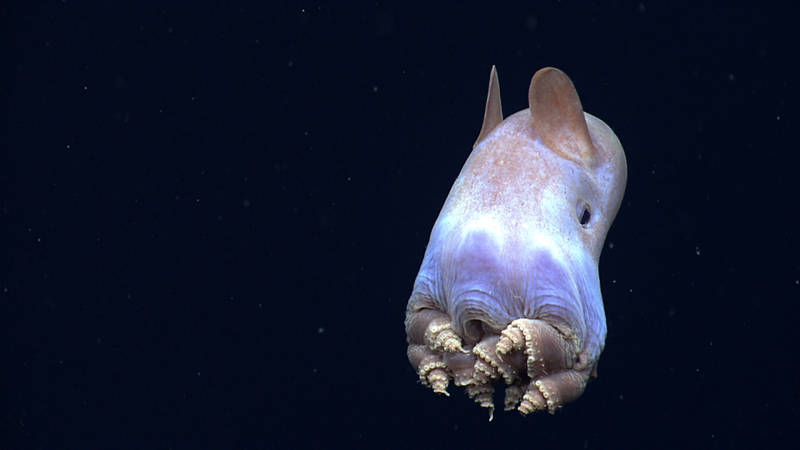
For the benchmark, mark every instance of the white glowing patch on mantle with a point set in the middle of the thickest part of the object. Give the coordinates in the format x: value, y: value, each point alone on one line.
x: 488, y: 225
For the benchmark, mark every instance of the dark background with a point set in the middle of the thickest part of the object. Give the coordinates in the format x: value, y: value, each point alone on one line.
x: 214, y: 213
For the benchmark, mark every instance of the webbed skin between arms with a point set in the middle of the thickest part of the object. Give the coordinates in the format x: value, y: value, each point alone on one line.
x: 508, y: 290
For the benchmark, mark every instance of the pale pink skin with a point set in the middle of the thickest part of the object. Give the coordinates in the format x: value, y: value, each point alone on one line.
x: 508, y: 243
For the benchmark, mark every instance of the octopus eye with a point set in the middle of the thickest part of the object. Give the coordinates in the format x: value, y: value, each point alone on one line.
x: 584, y: 215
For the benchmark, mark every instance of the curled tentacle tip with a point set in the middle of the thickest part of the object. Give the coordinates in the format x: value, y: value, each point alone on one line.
x: 502, y: 348
x: 453, y: 346
x: 442, y: 391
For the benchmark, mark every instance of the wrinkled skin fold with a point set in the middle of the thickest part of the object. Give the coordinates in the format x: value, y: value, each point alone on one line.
x: 508, y: 292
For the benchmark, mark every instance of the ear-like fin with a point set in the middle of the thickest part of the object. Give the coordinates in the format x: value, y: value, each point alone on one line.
x: 558, y: 115
x: 493, y: 114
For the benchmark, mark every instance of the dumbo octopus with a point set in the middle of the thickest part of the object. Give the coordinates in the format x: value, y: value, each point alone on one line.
x: 509, y: 288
